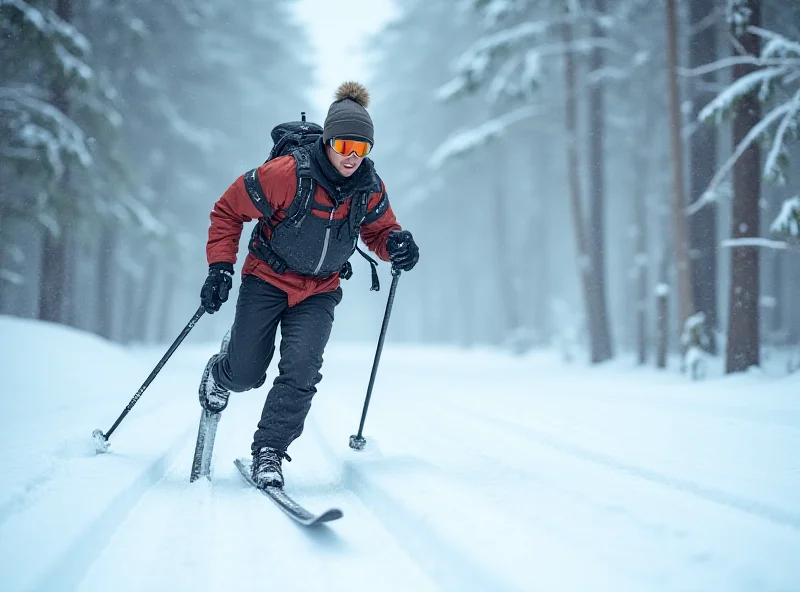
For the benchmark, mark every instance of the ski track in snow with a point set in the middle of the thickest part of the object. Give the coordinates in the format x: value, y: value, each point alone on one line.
x: 230, y: 529
x: 68, y: 570
x: 578, y: 491
x: 445, y: 565
x: 743, y: 504
x: 57, y: 464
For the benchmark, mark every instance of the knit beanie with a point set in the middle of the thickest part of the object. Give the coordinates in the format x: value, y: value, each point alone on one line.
x: 347, y: 115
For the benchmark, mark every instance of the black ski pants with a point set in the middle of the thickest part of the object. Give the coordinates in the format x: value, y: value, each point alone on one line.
x: 305, y: 329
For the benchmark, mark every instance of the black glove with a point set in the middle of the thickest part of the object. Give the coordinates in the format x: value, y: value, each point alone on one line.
x: 216, y: 287
x: 403, y: 251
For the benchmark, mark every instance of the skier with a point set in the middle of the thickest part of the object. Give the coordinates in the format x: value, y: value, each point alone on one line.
x: 312, y: 206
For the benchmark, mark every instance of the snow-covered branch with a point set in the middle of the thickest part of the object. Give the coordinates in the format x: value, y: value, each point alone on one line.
x: 708, y: 195
x: 32, y: 122
x: 777, y: 45
x: 754, y: 242
x: 467, y: 141
x: 475, y: 64
x: 64, y: 46
x: 147, y: 223
x: 790, y: 121
x: 723, y: 101
x: 12, y: 277
x: 507, y: 37
x: 788, y: 221
x: 780, y: 61
x: 451, y: 90
x: 737, y: 61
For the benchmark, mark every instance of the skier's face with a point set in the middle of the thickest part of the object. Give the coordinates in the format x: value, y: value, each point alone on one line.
x: 346, y: 165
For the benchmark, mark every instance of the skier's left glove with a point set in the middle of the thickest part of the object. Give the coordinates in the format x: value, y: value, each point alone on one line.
x: 217, y: 286
x: 403, y: 251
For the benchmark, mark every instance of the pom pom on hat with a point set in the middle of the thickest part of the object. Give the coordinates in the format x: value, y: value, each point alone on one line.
x: 354, y: 91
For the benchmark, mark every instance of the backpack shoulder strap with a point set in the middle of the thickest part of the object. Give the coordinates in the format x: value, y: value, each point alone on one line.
x: 380, y: 208
x: 358, y: 209
x: 372, y: 215
x: 304, y: 194
x: 302, y: 158
x: 253, y: 187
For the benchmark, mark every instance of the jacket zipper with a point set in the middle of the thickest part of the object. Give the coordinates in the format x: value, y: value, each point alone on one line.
x: 327, y: 241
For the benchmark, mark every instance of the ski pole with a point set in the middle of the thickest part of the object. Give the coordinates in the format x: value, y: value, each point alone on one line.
x: 101, y: 439
x: 357, y: 441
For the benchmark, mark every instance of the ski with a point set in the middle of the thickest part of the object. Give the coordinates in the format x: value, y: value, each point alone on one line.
x: 204, y: 448
x: 286, y: 503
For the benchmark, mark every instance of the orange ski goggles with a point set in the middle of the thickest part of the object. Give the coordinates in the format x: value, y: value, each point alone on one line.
x: 347, y: 147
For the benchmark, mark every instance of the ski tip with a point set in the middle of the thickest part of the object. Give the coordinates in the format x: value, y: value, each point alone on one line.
x: 329, y: 516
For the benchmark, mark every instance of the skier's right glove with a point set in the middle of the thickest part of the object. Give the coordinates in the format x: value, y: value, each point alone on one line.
x: 217, y: 286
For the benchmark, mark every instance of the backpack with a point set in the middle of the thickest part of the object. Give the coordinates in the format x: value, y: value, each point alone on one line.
x: 291, y: 138
x: 288, y: 137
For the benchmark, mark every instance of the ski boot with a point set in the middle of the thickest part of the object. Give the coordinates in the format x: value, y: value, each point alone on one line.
x: 266, y: 469
x: 213, y: 396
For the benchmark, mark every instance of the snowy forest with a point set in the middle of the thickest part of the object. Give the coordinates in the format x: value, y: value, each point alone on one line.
x: 608, y: 178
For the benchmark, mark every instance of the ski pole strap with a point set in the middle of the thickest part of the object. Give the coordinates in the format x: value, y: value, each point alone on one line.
x: 376, y: 283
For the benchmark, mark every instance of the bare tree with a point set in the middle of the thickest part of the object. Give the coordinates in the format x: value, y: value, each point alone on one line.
x: 574, y: 179
x: 52, y: 292
x: 601, y: 333
x: 703, y: 16
x: 105, y: 280
x: 640, y: 247
x: 506, y: 273
x: 743, y: 319
x: 685, y: 304
x: 662, y: 314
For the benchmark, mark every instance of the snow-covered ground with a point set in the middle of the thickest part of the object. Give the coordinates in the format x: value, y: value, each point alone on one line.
x: 482, y: 472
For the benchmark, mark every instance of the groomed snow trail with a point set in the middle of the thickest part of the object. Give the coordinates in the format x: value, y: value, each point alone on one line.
x: 586, y: 481
x: 482, y: 472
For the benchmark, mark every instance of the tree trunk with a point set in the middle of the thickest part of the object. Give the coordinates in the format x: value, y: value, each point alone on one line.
x: 703, y: 163
x: 601, y: 335
x: 743, y: 330
x: 130, y: 322
x: 105, y: 282
x: 537, y: 289
x: 3, y: 248
x: 167, y: 295
x: 685, y: 305
x: 51, y: 285
x: 641, y: 260
x: 505, y: 271
x: 540, y: 289
x: 576, y: 206
x: 777, y: 325
x: 54, y: 281
x: 145, y: 290
x: 70, y: 307
x: 427, y: 299
x: 662, y: 312
x: 464, y: 318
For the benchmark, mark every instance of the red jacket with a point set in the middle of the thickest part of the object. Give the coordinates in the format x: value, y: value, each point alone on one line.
x: 278, y: 179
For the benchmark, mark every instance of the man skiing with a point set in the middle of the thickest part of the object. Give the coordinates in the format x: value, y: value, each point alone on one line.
x: 312, y: 206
